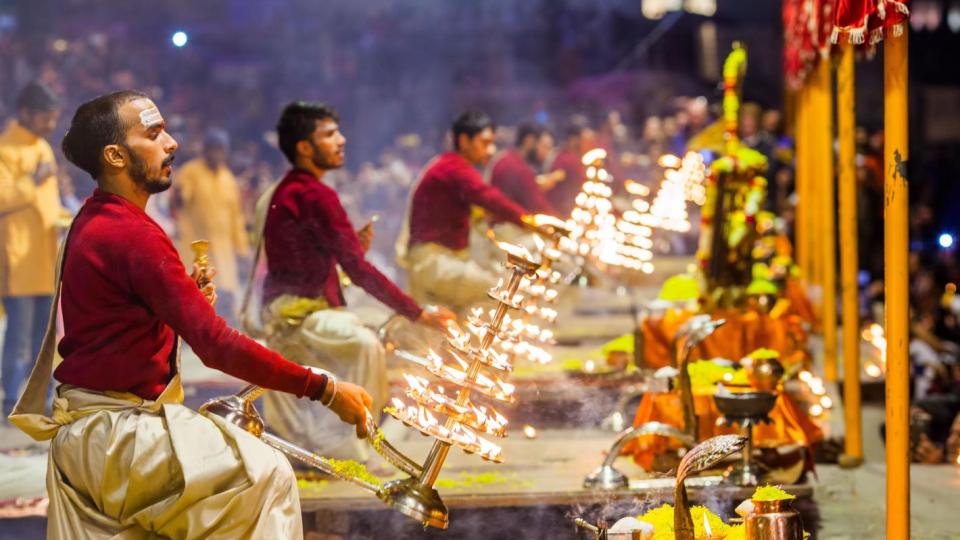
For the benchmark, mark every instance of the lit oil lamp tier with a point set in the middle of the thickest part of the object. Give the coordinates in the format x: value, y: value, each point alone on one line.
x: 490, y: 386
x: 478, y: 417
x: 547, y: 314
x: 490, y: 358
x: 458, y: 434
x: 503, y: 296
x: 528, y: 351
x: 478, y: 327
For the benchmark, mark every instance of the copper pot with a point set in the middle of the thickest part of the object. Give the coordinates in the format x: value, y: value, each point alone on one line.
x: 773, y: 520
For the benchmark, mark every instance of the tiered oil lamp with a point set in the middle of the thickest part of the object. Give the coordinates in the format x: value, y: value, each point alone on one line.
x: 683, y: 180
x: 597, y: 233
x: 471, y: 362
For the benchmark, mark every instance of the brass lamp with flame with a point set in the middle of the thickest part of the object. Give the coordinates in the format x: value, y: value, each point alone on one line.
x: 468, y: 364
x: 415, y: 496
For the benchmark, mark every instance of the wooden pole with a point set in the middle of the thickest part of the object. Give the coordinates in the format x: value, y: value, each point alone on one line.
x: 896, y: 281
x: 826, y: 217
x: 801, y: 227
x: 849, y: 265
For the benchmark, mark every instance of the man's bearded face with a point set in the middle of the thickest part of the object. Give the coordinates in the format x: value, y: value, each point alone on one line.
x: 542, y: 149
x: 149, y: 148
x: 480, y: 148
x: 328, y: 145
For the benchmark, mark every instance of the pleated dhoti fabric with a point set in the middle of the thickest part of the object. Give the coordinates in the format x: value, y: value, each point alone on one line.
x: 335, y: 340
x: 127, y: 470
x: 439, y: 275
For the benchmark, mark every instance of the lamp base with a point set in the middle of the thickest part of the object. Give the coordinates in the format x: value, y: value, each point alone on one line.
x: 606, y: 477
x: 417, y: 502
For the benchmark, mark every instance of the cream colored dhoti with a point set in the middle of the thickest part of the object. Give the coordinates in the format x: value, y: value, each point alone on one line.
x: 337, y: 341
x: 160, y: 470
x: 439, y: 275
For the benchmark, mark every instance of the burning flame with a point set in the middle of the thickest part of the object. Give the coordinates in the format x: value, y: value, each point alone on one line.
x: 636, y: 188
x: 516, y: 251
x: 545, y: 220
x: 530, y: 432
x: 593, y: 156
x: 669, y: 161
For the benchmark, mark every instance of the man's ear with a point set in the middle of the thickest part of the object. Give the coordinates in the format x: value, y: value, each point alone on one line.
x: 304, y: 148
x: 114, y: 155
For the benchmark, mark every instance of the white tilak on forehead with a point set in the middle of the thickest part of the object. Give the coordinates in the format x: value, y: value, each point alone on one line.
x: 150, y: 117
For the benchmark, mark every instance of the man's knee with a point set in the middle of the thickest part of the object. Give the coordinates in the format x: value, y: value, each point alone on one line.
x: 278, y: 475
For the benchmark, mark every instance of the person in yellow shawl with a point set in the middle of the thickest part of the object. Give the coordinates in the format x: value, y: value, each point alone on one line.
x: 29, y: 210
x: 127, y: 459
x: 208, y: 201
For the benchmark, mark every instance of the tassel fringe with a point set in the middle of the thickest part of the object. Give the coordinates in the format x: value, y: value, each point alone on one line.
x: 857, y: 35
x: 876, y: 36
x: 901, y: 7
x: 898, y: 30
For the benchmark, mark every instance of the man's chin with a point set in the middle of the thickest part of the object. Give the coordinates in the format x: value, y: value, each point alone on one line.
x: 159, y: 186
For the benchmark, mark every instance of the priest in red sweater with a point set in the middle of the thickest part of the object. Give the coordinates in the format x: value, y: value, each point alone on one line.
x: 435, y: 246
x: 567, y: 165
x: 306, y: 235
x: 126, y: 457
x: 517, y: 173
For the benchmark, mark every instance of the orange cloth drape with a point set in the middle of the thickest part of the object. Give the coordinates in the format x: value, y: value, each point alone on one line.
x: 744, y: 332
x: 790, y: 425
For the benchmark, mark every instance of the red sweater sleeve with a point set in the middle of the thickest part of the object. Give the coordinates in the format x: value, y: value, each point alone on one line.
x: 534, y: 199
x: 333, y: 229
x: 479, y: 193
x: 161, y: 281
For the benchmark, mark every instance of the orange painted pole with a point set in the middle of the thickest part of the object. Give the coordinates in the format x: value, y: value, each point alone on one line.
x: 849, y: 265
x: 801, y: 230
x: 896, y: 280
x: 826, y: 240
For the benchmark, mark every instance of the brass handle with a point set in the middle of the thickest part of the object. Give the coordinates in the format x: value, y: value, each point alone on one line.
x: 201, y: 257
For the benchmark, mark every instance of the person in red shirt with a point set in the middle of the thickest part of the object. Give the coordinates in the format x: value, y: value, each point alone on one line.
x: 434, y: 246
x: 126, y: 458
x: 306, y: 235
x: 515, y: 172
x: 580, y: 139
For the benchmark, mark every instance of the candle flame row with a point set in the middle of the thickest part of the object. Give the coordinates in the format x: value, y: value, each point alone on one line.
x: 478, y: 417
x: 459, y: 435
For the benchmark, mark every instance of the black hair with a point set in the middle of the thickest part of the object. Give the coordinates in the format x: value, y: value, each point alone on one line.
x: 526, y: 130
x: 297, y: 122
x: 470, y: 124
x: 576, y: 126
x: 96, y: 124
x: 36, y: 96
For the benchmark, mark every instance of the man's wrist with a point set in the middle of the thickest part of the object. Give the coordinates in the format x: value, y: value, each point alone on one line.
x: 329, y: 392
